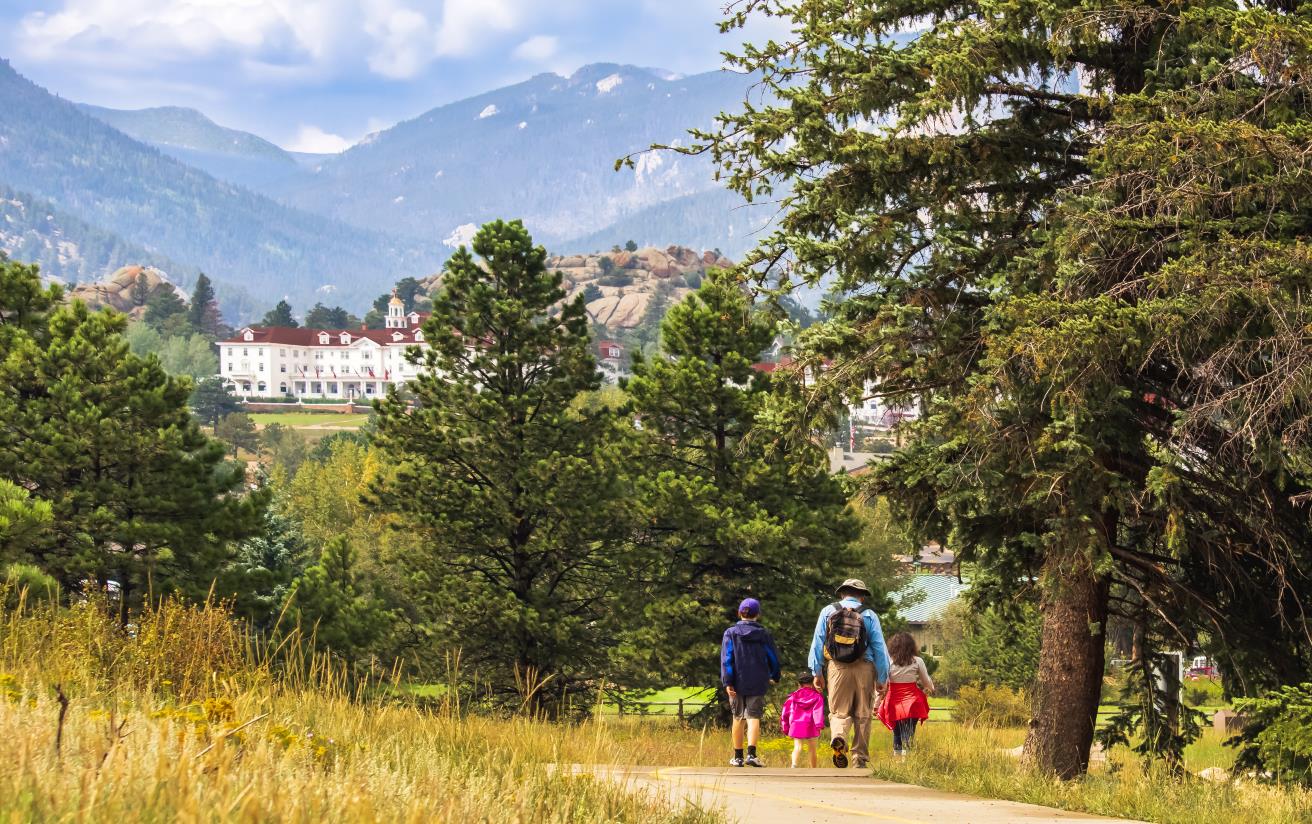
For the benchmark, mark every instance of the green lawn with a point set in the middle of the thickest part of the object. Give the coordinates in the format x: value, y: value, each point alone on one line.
x: 301, y: 420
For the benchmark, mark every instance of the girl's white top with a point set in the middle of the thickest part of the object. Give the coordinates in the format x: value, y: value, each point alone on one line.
x: 913, y: 673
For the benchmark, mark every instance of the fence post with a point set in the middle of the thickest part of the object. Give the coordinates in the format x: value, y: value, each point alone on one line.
x: 680, y: 709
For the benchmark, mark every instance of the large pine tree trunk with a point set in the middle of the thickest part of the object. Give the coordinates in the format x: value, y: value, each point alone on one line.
x: 1074, y: 610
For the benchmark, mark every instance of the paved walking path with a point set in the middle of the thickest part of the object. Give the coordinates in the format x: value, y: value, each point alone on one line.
x: 782, y: 796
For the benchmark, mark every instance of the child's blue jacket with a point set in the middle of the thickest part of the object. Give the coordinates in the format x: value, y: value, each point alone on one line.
x: 748, y: 658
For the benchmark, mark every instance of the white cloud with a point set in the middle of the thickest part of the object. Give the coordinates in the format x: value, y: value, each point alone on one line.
x: 314, y: 140
x: 268, y: 38
x: 537, y: 47
x: 466, y: 23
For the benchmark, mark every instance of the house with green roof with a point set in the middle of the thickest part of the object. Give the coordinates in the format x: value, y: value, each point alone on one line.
x: 927, y: 596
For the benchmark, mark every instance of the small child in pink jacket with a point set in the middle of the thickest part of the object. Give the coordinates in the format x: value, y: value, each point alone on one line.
x: 803, y: 717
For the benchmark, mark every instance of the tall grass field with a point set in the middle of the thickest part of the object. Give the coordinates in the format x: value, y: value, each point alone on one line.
x: 177, y: 719
x: 180, y: 717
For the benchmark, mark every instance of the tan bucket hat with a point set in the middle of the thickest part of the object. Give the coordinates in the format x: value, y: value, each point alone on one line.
x: 854, y: 584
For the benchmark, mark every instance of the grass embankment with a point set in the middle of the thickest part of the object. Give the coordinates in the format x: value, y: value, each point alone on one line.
x: 175, y: 722
x: 305, y: 420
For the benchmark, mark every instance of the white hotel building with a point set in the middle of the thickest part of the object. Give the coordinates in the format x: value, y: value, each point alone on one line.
x: 345, y: 364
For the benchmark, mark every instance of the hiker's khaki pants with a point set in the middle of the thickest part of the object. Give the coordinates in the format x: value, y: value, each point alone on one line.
x: 850, y: 689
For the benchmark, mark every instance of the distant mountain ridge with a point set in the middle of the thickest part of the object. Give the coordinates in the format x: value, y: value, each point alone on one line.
x: 542, y: 150
x: 53, y: 150
x: 185, y: 193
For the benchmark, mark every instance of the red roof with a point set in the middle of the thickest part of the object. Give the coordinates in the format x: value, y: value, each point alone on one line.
x: 768, y: 367
x: 310, y: 337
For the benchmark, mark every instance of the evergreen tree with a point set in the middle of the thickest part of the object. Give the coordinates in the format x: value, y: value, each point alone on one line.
x: 237, y: 430
x: 140, y: 290
x: 1052, y: 245
x: 136, y: 492
x: 524, y: 558
x: 332, y: 605
x: 280, y: 315
x: 729, y: 518
x: 20, y: 520
x: 211, y: 400
x: 203, y: 313
x: 631, y: 245
x: 166, y: 313
x: 264, y: 567
x: 323, y: 317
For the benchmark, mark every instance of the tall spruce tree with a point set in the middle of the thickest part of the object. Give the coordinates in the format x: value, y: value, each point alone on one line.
x: 728, y: 517
x: 518, y: 490
x: 203, y: 313
x: 925, y: 153
x: 138, y: 495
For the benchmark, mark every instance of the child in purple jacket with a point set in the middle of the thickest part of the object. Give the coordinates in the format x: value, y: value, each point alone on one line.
x: 803, y: 717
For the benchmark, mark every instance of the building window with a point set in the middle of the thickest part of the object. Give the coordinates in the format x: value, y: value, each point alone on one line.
x: 332, y: 388
x: 246, y: 386
x: 346, y: 356
x: 261, y: 366
x: 282, y: 387
x: 282, y: 353
x: 283, y: 367
x: 260, y: 351
x: 245, y: 351
x: 316, y: 388
x: 230, y: 367
x: 262, y: 387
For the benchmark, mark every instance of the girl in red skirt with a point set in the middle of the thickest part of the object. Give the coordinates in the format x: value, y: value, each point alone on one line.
x: 904, y: 703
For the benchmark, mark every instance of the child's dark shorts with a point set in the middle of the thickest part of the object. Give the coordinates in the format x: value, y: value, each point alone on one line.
x: 747, y: 706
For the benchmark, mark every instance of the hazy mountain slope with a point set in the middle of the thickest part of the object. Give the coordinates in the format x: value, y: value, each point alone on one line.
x: 714, y: 219
x: 187, y: 135
x: 55, y: 151
x: 543, y: 150
x: 68, y: 249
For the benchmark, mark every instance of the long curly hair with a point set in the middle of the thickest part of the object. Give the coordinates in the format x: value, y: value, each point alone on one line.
x: 903, y: 648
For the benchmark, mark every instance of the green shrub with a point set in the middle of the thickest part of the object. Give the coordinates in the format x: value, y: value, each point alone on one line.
x: 28, y: 585
x: 991, y: 706
x: 1276, y: 740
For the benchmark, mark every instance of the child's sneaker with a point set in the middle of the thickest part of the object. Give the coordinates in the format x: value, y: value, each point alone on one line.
x: 753, y: 761
x: 735, y: 762
x: 839, y: 747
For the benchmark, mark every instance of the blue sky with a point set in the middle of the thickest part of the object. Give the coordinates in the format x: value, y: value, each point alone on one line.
x: 317, y: 75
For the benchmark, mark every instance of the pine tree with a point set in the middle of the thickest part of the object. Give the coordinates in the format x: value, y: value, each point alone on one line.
x: 333, y: 606
x: 1017, y: 247
x: 729, y: 518
x: 323, y: 317
x: 523, y: 556
x: 204, y: 310
x: 211, y: 400
x: 140, y: 290
x: 137, y: 493
x: 280, y: 315
x: 166, y: 313
x: 238, y: 431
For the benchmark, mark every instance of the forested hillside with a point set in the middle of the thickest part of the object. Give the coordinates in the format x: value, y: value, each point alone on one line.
x: 191, y: 137
x: 50, y: 148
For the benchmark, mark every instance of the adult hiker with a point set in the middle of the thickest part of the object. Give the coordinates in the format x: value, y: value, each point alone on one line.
x: 850, y: 661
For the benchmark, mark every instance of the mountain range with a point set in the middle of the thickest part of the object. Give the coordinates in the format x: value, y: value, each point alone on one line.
x: 186, y: 194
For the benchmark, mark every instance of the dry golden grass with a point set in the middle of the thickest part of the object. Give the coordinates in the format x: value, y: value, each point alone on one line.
x: 173, y: 721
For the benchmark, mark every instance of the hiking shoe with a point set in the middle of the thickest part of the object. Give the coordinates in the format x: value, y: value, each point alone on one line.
x: 753, y: 761
x: 839, y: 746
x: 735, y: 762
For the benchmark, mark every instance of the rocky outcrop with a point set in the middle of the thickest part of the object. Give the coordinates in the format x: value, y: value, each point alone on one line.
x: 119, y: 290
x: 627, y: 281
